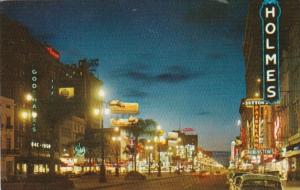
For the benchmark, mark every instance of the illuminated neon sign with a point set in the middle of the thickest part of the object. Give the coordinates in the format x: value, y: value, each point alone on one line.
x: 270, y: 12
x: 79, y: 150
x: 34, y: 79
x: 53, y: 53
x: 256, y: 125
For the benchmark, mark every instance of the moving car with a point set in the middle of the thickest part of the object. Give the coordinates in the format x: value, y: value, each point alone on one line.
x: 257, y: 182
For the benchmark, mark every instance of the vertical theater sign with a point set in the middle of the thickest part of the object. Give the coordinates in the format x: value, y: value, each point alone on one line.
x: 270, y: 12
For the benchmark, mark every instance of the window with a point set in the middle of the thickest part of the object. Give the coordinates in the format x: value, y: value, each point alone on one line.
x: 8, y: 143
x: 8, y: 122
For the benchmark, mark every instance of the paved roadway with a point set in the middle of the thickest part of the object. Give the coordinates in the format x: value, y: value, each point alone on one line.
x: 175, y: 183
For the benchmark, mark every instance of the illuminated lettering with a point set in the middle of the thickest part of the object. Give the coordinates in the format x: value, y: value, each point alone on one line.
x: 270, y: 12
x: 271, y: 75
x: 273, y: 28
x: 271, y: 59
x: 268, y: 44
x: 271, y: 92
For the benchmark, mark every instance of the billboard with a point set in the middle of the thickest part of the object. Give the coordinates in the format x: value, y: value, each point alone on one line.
x: 188, y: 131
x: 67, y: 92
x: 123, y: 122
x: 118, y: 107
x: 172, y: 135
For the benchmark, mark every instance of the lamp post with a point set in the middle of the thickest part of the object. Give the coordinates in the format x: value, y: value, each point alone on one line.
x: 179, y: 152
x: 117, y: 140
x: 101, y: 112
x: 26, y: 115
x: 149, y: 149
x: 158, y: 129
x: 170, y: 154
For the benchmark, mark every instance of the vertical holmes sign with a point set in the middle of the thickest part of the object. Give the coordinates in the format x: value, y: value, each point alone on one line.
x: 270, y: 12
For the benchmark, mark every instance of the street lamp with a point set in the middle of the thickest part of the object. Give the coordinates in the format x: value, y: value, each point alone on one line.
x: 159, y: 130
x: 117, y: 140
x: 149, y: 148
x: 178, y: 151
x: 28, y: 97
x: 27, y: 115
x: 170, y: 154
x: 101, y: 113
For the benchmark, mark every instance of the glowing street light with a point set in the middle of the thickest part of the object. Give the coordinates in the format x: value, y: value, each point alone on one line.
x: 106, y: 111
x: 158, y: 127
x: 258, y: 80
x: 239, y: 123
x: 24, y: 115
x: 101, y: 93
x: 97, y: 111
x: 28, y: 97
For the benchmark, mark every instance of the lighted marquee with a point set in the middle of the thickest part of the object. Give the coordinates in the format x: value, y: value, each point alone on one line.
x: 254, y: 102
x: 257, y: 106
x: 255, y: 152
x: 270, y: 12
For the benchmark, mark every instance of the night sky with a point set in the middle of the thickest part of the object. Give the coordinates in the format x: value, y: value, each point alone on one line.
x: 180, y: 59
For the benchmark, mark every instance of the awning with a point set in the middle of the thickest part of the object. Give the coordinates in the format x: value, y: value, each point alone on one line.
x: 36, y: 160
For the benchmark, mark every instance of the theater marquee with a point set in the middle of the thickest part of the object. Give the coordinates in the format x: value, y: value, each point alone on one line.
x: 270, y: 12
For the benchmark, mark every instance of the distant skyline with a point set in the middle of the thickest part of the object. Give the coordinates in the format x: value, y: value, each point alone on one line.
x: 180, y: 60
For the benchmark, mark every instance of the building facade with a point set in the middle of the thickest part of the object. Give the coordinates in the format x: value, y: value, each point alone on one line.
x: 278, y: 123
x: 8, y: 151
x: 31, y: 67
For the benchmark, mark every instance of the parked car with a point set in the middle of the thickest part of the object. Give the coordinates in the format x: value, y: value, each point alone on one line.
x: 257, y: 182
x: 231, y: 178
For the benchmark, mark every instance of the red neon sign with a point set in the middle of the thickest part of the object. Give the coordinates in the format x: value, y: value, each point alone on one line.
x: 53, y: 53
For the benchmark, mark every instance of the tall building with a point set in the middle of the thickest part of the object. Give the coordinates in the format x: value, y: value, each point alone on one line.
x: 279, y: 123
x: 29, y: 66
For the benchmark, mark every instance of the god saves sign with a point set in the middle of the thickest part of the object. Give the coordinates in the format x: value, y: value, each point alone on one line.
x: 270, y: 12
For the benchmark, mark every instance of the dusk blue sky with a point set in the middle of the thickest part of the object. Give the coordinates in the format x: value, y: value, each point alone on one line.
x: 181, y: 60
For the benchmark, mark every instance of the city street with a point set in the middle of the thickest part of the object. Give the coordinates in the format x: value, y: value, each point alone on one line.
x: 174, y: 182
x: 150, y: 95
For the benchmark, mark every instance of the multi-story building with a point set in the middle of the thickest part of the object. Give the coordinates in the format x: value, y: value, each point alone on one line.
x: 8, y: 151
x: 29, y: 66
x: 70, y: 134
x: 279, y: 126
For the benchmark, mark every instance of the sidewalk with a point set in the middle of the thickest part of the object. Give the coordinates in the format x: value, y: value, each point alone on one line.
x: 92, y: 182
